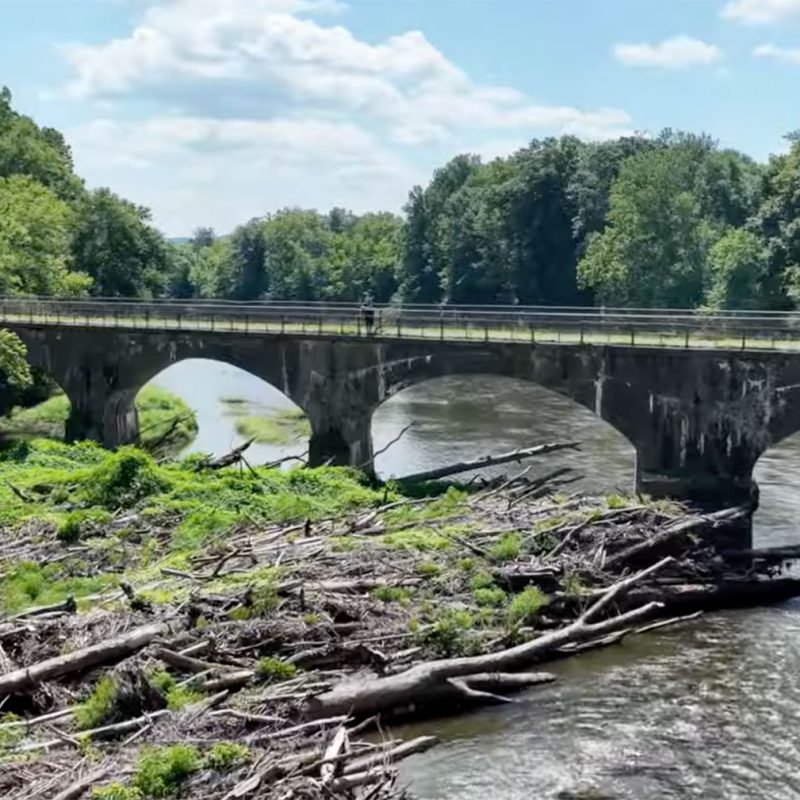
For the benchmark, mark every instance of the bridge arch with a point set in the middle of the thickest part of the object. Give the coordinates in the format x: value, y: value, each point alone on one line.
x: 233, y: 405
x: 466, y: 415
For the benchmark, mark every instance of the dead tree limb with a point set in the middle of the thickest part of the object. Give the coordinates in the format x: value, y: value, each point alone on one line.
x: 489, y: 461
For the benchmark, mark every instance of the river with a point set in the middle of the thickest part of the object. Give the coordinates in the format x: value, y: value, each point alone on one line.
x: 708, y: 709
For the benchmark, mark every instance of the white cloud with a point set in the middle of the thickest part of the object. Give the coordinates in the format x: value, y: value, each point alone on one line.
x: 196, y: 170
x: 788, y: 55
x: 270, y: 50
x: 760, y: 12
x: 286, y: 93
x: 677, y: 53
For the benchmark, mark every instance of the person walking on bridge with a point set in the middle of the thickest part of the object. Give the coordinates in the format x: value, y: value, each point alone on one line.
x: 368, y: 313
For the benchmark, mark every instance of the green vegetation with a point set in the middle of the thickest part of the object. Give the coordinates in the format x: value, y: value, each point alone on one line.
x: 278, y: 427
x: 177, y: 697
x: 157, y: 408
x: 116, y: 791
x: 450, y: 634
x: 525, y: 607
x: 391, y: 594
x: 507, y: 549
x: 225, y: 756
x: 72, y: 489
x: 161, y: 770
x: 100, y: 707
x: 275, y: 669
x: 489, y: 597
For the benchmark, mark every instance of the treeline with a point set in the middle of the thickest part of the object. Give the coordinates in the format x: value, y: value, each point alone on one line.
x: 670, y: 221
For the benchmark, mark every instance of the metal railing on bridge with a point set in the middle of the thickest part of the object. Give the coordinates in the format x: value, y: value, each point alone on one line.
x: 544, y: 324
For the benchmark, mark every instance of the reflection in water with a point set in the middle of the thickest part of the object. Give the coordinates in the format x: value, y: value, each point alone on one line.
x: 706, y: 710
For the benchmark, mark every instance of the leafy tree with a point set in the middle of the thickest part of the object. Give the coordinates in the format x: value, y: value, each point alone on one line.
x: 247, y: 273
x: 35, y: 231
x: 38, y: 153
x: 737, y: 265
x: 653, y: 251
x: 14, y: 369
x: 115, y: 243
x: 777, y: 222
x: 297, y: 246
x: 420, y: 273
x: 202, y: 237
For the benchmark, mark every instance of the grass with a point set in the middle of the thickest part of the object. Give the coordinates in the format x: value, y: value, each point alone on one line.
x: 157, y: 410
x: 72, y: 489
x: 279, y: 427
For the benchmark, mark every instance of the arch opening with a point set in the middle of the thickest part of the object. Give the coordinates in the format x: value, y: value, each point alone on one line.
x: 39, y: 411
x: 775, y: 472
x: 462, y: 417
x: 230, y: 406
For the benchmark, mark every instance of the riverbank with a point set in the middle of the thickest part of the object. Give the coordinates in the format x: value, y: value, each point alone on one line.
x: 278, y: 610
x: 166, y: 423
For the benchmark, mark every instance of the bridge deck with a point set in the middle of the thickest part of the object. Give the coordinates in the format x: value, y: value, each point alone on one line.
x: 638, y: 328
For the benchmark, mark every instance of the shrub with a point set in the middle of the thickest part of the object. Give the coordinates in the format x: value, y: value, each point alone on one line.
x: 69, y: 531
x: 526, y: 605
x: 100, y: 706
x: 176, y: 697
x: 161, y: 770
x: 491, y: 596
x: 507, y: 549
x: 116, y: 791
x: 123, y: 478
x: 427, y: 569
x: 451, y: 634
x: 390, y: 594
x: 481, y: 580
x: 225, y: 756
x: 275, y: 669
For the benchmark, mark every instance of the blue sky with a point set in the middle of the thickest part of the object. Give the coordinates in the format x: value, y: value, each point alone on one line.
x: 215, y: 111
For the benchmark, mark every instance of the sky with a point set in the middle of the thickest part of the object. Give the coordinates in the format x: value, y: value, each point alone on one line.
x: 212, y: 112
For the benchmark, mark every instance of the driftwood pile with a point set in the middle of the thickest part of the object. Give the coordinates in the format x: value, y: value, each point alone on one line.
x: 354, y: 633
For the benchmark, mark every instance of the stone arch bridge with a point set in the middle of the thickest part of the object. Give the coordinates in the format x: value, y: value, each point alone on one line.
x: 698, y: 418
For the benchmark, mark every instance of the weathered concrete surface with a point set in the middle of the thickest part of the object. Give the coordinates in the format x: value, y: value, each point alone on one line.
x: 698, y: 419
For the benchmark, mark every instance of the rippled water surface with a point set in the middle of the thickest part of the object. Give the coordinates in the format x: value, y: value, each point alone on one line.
x: 710, y: 709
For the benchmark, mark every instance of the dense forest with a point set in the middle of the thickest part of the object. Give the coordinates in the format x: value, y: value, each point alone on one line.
x: 669, y: 221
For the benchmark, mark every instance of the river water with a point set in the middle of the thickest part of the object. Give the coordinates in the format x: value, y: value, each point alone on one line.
x: 709, y: 709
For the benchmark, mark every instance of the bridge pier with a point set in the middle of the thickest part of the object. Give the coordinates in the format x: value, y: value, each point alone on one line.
x: 98, y: 411
x: 710, y: 472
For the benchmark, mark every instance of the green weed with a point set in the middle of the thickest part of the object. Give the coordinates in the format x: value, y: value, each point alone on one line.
x: 225, y: 756
x: 116, y: 791
x: 391, y: 594
x: 489, y: 597
x: 525, y: 607
x: 275, y: 669
x: 506, y: 549
x: 161, y: 770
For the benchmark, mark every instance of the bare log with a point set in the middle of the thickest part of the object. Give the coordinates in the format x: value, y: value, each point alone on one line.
x: 489, y: 461
x: 106, y: 652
